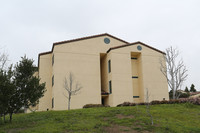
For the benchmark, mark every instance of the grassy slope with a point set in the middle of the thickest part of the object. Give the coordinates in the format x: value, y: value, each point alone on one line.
x: 167, y: 118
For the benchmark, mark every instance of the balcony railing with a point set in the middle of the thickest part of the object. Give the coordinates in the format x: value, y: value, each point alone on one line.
x: 104, y: 93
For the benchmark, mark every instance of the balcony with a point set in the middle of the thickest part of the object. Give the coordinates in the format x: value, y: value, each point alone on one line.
x: 104, y: 94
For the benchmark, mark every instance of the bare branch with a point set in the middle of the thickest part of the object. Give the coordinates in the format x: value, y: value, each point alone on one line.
x: 173, y: 69
x: 72, y: 87
x: 148, y: 106
x: 65, y: 95
x: 3, y: 60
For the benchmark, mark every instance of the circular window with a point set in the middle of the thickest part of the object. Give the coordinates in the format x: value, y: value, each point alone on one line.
x: 107, y: 40
x: 139, y: 47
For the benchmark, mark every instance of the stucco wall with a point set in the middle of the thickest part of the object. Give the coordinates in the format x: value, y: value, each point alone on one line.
x: 86, y: 70
x: 149, y: 67
x: 136, y: 83
x: 45, y: 74
x: 84, y: 59
x: 121, y: 77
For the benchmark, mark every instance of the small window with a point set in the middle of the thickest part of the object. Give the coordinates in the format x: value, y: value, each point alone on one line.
x: 109, y: 66
x: 133, y: 58
x: 136, y: 96
x: 52, y: 59
x: 139, y: 47
x: 106, y: 40
x: 135, y: 77
x: 110, y: 87
x: 52, y: 102
x: 52, y: 80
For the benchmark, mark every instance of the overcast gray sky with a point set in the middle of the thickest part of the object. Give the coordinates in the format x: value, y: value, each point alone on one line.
x: 31, y: 26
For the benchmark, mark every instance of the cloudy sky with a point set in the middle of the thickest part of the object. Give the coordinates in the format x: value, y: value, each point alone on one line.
x: 31, y: 26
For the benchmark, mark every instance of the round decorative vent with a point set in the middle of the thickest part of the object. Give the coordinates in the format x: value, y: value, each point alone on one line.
x: 107, y: 40
x: 139, y: 47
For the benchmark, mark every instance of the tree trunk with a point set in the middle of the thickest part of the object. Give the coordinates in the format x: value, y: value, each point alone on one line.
x: 4, y: 118
x: 174, y: 94
x: 69, y: 102
x: 11, y: 117
x: 0, y: 119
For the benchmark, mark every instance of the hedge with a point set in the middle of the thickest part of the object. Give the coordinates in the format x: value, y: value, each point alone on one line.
x: 94, y: 105
x: 195, y: 101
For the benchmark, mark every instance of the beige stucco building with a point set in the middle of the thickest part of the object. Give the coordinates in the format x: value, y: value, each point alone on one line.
x: 110, y: 70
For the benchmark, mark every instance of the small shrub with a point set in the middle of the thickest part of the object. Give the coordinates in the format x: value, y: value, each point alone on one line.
x: 119, y: 105
x: 94, y: 105
x: 184, y: 95
x: 195, y: 101
x: 132, y: 104
x: 183, y: 100
x: 155, y: 102
x: 142, y: 103
x: 126, y: 104
x: 173, y: 101
x: 164, y: 102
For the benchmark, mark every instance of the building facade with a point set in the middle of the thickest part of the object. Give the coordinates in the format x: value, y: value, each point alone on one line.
x: 110, y: 70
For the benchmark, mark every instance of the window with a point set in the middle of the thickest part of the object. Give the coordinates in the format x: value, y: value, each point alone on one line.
x: 109, y: 66
x: 52, y: 80
x: 136, y: 96
x: 52, y: 102
x: 133, y: 58
x: 110, y: 87
x: 106, y: 40
x: 139, y: 47
x: 52, y: 59
x: 135, y: 77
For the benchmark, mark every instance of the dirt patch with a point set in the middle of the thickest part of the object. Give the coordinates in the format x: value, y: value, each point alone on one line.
x: 105, y: 118
x: 122, y: 129
x: 120, y: 116
x: 118, y: 129
x: 14, y: 130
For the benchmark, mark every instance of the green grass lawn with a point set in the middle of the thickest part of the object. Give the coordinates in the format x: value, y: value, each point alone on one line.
x: 180, y: 118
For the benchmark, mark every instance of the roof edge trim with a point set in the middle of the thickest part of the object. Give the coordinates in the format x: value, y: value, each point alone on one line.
x: 88, y: 37
x: 48, y: 52
x: 134, y: 43
x: 82, y: 38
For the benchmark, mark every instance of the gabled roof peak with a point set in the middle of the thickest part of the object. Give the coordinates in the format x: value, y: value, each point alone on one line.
x: 82, y: 38
x: 134, y: 43
x: 89, y: 37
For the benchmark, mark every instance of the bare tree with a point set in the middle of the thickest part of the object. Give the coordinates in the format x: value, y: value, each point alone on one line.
x: 3, y: 60
x: 174, y: 70
x: 148, y: 106
x: 72, y: 87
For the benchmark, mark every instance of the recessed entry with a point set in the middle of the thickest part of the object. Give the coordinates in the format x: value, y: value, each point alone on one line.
x: 107, y: 40
x: 139, y: 47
